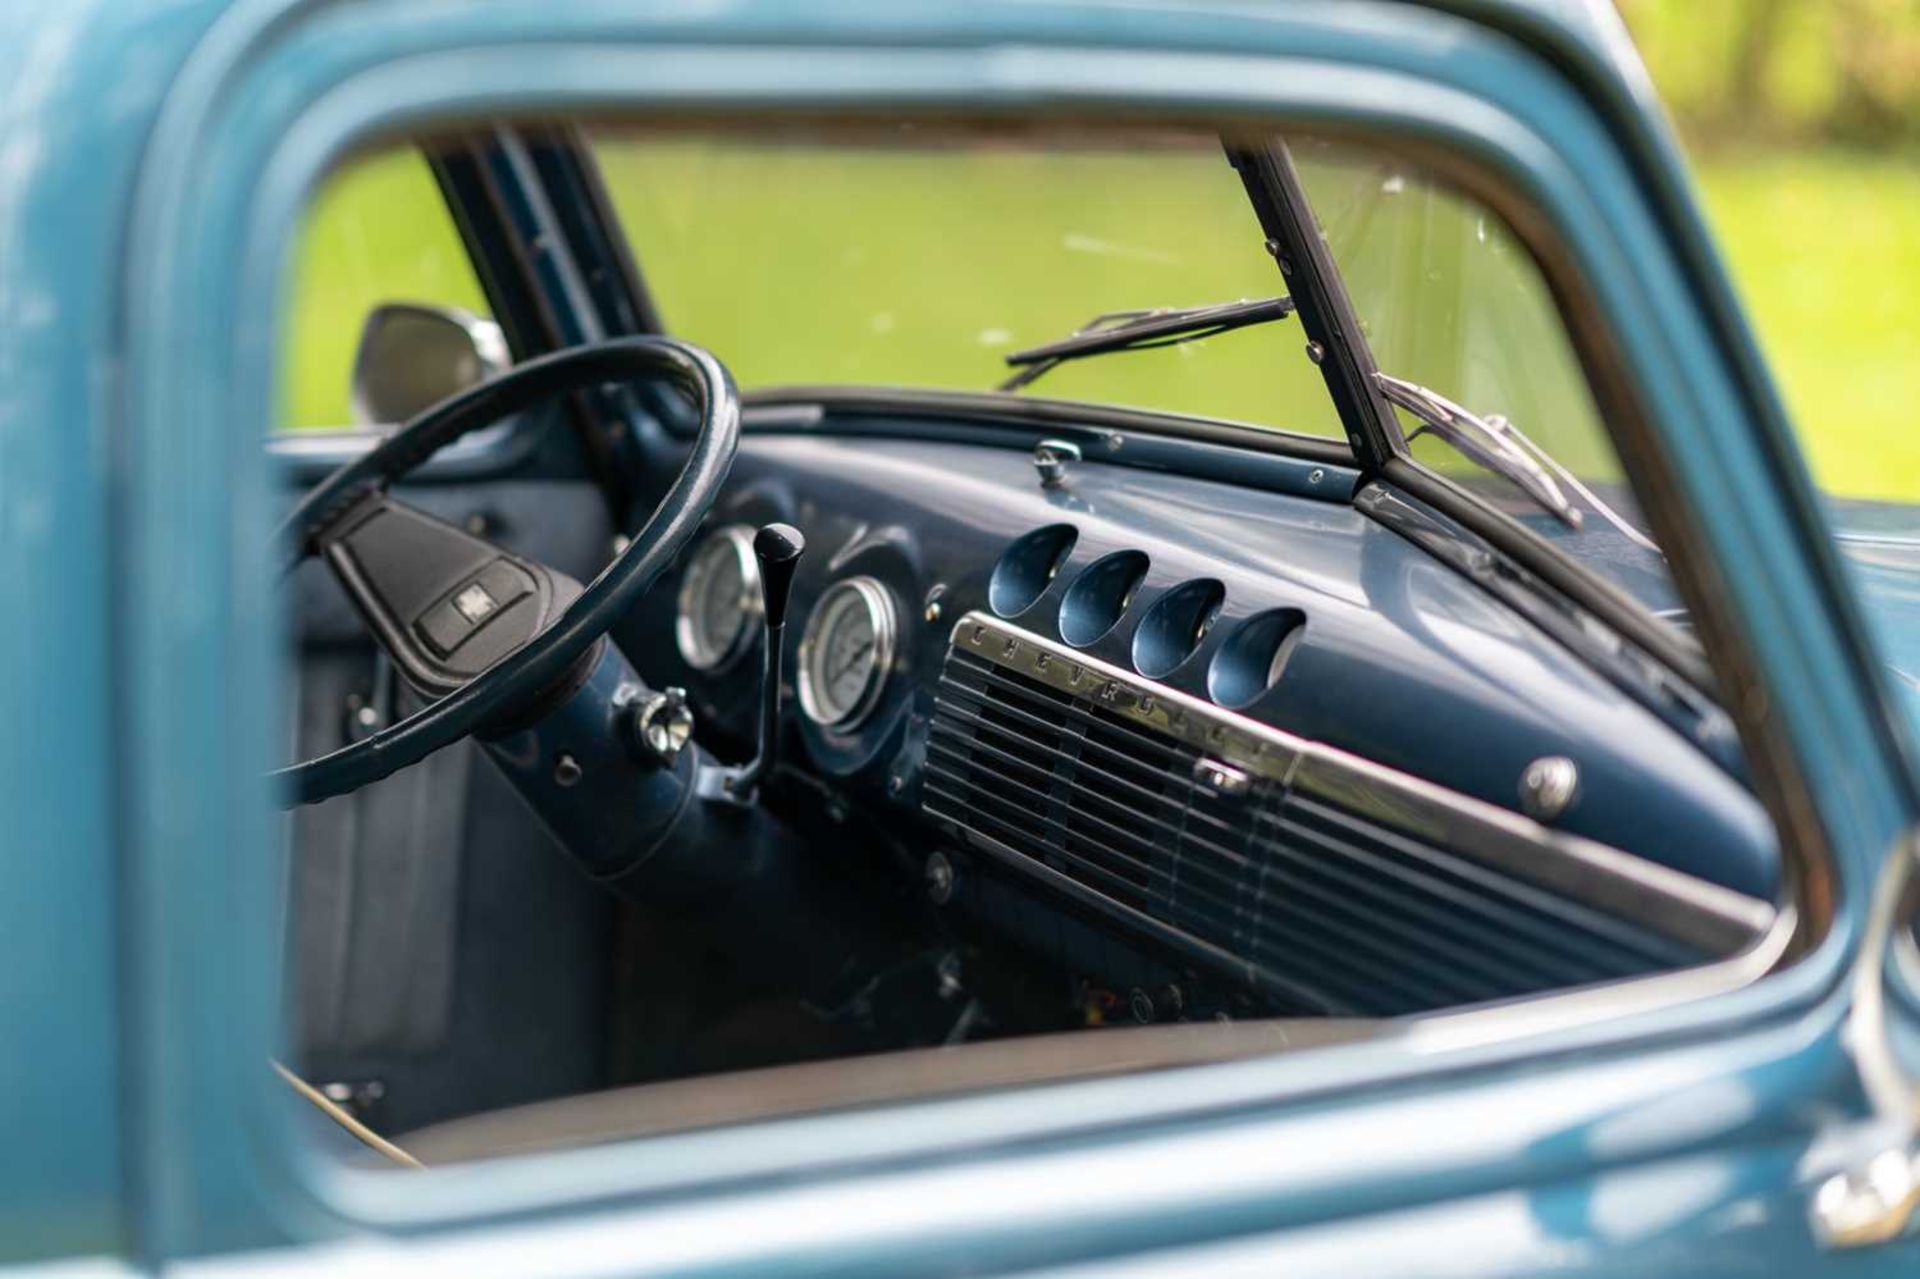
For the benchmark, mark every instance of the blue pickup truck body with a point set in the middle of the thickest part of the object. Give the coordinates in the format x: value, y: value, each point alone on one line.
x: 153, y: 160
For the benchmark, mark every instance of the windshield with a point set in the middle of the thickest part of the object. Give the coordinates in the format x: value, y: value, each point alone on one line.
x: 1453, y: 304
x: 925, y: 256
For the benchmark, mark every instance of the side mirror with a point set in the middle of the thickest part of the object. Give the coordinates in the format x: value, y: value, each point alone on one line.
x: 413, y: 356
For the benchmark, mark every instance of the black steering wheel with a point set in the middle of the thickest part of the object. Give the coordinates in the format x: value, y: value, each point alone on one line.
x: 481, y: 631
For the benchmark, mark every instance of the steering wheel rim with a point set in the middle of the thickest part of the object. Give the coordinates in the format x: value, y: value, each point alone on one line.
x: 546, y: 658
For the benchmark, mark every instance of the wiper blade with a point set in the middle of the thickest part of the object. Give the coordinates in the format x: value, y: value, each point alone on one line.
x: 1501, y: 447
x: 1142, y: 330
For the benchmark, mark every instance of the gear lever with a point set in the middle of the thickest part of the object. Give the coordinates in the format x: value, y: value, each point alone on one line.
x: 778, y: 548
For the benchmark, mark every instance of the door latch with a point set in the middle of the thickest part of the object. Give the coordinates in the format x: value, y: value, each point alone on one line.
x: 1874, y: 1201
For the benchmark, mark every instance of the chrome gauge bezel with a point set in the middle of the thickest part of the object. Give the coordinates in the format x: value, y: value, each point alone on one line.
x: 882, y: 616
x: 695, y: 650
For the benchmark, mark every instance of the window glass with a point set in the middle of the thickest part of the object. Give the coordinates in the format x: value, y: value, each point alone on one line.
x: 378, y: 231
x: 1451, y: 300
x: 923, y: 257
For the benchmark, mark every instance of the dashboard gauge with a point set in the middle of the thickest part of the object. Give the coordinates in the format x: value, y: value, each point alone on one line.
x: 846, y: 652
x: 719, y: 599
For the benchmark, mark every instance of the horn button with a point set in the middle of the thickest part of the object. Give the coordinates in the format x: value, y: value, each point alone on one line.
x: 471, y: 605
x: 445, y: 603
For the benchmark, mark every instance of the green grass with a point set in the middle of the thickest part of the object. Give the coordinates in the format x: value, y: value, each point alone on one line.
x: 1825, y: 251
x: 878, y: 265
x: 925, y: 266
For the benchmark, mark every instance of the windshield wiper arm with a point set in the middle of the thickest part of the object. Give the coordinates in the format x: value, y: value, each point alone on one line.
x: 1484, y: 440
x: 1501, y: 447
x: 1142, y: 330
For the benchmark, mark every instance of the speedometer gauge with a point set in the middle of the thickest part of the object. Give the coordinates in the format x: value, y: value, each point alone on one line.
x: 719, y: 599
x: 846, y: 652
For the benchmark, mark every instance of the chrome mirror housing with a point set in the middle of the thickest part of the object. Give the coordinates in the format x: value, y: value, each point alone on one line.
x: 412, y: 356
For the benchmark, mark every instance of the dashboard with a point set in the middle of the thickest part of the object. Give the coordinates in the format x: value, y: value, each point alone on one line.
x: 1245, y: 725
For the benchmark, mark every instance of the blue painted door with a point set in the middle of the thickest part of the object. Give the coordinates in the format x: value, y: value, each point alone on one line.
x: 1675, y: 1138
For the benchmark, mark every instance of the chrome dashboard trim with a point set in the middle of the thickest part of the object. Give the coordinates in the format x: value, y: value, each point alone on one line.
x: 318, y: 450
x: 1715, y: 919
x: 1456, y: 1030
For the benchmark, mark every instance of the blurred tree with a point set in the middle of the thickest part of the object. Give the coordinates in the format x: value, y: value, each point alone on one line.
x: 1782, y: 71
x: 1752, y: 54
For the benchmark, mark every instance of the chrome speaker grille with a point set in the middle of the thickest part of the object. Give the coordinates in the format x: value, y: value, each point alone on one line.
x: 1321, y: 880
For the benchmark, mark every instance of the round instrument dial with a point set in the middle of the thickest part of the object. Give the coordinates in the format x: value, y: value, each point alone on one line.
x: 846, y: 652
x: 719, y: 599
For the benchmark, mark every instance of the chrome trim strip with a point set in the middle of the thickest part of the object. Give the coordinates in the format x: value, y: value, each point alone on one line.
x: 1247, y: 744
x: 338, y: 446
x: 1444, y: 1032
x: 773, y: 416
x: 1716, y: 919
x: 1146, y: 925
x: 1906, y: 958
x: 1719, y: 920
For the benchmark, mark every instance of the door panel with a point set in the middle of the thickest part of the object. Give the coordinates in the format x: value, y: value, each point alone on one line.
x: 446, y: 956
x: 942, y: 1186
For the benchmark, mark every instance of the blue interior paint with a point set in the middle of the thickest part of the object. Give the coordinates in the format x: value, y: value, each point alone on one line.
x: 1399, y: 660
x: 1027, y: 567
x: 1174, y: 625
x: 1100, y: 595
x: 1251, y: 659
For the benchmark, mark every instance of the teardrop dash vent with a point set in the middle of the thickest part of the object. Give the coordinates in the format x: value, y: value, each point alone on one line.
x: 1266, y: 857
x: 1175, y: 625
x: 1101, y: 596
x: 1028, y: 567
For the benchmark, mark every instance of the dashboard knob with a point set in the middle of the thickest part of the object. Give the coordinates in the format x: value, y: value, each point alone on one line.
x: 1548, y: 787
x: 1051, y: 458
x: 661, y: 724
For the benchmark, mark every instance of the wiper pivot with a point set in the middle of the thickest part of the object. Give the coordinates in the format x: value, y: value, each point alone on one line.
x: 1140, y: 331
x: 1507, y: 451
x: 1485, y: 440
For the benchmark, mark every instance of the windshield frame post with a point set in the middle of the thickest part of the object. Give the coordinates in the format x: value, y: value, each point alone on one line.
x: 1335, y: 340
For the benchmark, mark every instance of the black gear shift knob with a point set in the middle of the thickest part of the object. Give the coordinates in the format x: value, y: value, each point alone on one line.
x: 778, y: 547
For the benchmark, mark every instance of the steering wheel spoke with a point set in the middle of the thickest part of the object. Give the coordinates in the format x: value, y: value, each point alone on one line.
x: 444, y: 604
x: 483, y: 633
